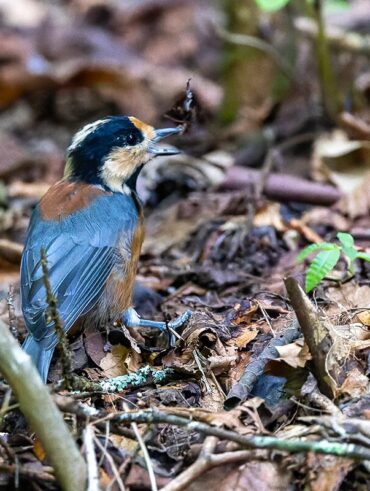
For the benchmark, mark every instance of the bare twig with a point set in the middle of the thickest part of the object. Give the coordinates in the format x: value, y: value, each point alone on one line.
x: 117, y: 477
x: 53, y: 316
x: 41, y: 412
x: 92, y: 466
x: 148, y: 462
x: 206, y: 461
x: 196, y: 422
x: 152, y: 416
x: 311, y: 392
x: 11, y: 312
x: 240, y: 391
x: 328, y: 83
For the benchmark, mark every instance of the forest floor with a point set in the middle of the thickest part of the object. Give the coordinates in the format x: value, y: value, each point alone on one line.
x: 225, y: 221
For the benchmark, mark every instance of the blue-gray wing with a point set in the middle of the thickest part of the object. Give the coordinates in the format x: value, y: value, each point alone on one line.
x: 81, y: 250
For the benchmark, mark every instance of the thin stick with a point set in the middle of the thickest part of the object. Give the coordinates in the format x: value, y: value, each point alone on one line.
x: 11, y: 312
x: 92, y: 465
x: 207, y: 460
x: 53, y: 316
x: 199, y: 365
x: 148, y: 462
x: 152, y: 416
x: 117, y: 477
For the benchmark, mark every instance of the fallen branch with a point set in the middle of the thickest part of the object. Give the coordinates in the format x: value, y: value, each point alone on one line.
x: 152, y: 416
x: 282, y: 187
x: 241, y: 390
x: 316, y: 332
x: 143, y: 376
x: 42, y: 414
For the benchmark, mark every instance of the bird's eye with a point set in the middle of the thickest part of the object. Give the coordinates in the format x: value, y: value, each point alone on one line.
x: 131, y: 140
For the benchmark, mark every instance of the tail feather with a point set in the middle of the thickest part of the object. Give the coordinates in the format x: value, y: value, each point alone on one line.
x: 41, y: 358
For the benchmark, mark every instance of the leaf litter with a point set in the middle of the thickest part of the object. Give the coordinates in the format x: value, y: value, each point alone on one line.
x: 196, y: 254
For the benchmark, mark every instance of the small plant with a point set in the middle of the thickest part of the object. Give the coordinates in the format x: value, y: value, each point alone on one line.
x: 327, y: 256
x: 274, y: 5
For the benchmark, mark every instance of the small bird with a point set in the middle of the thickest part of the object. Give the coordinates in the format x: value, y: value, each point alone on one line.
x: 91, y: 226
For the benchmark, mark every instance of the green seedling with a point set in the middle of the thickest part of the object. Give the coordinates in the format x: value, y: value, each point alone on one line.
x: 327, y: 256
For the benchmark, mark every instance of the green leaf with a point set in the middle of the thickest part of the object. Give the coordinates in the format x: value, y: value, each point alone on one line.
x: 320, y: 246
x: 320, y: 267
x: 363, y: 255
x: 271, y: 5
x: 348, y: 245
x: 345, y: 239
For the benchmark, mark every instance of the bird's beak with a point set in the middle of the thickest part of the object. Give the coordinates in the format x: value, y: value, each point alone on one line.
x: 159, y: 135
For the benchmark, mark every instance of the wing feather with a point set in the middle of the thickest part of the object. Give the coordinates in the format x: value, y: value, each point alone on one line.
x: 81, y: 251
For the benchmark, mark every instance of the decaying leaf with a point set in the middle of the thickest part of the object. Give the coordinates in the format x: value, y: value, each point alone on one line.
x: 294, y: 354
x: 114, y: 363
x: 343, y: 161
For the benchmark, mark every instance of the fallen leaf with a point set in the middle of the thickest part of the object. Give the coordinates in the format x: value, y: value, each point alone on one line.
x: 364, y: 317
x: 113, y: 364
x: 355, y: 385
x: 247, y: 335
x: 294, y: 354
x: 326, y: 472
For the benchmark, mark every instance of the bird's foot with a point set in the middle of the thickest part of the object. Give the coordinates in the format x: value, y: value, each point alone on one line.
x: 130, y: 318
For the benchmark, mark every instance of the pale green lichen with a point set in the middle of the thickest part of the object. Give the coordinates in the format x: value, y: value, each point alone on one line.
x: 136, y: 379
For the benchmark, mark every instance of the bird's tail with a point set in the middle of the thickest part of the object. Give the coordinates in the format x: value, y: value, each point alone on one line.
x: 41, y: 357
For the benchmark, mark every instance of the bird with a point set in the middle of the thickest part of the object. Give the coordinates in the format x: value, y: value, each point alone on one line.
x: 91, y: 226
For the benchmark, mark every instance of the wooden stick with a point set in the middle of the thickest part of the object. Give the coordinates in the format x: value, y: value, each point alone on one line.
x: 41, y: 413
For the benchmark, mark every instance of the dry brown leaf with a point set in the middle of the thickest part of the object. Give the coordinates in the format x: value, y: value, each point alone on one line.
x: 357, y: 202
x: 114, y: 363
x: 355, y: 385
x: 246, y: 336
x: 270, y: 216
x: 252, y: 476
x: 124, y: 443
x: 348, y: 296
x: 326, y: 472
x: 344, y: 162
x: 294, y: 354
x: 364, y: 317
x: 213, y: 399
x: 39, y: 450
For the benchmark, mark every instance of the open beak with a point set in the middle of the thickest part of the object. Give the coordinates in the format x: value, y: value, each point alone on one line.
x: 159, y: 135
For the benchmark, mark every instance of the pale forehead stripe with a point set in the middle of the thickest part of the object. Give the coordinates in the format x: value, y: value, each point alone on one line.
x: 84, y: 132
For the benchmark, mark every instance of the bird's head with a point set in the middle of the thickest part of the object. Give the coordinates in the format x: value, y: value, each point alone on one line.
x: 112, y: 151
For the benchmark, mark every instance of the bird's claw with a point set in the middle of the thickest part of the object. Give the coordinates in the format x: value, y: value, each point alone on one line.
x: 180, y: 320
x: 130, y: 318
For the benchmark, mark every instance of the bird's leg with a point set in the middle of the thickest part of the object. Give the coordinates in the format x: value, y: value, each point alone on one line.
x: 130, y: 318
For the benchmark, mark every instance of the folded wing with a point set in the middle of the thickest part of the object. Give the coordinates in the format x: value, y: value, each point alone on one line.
x: 81, y: 250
